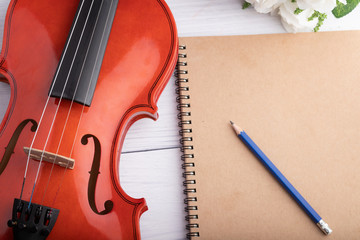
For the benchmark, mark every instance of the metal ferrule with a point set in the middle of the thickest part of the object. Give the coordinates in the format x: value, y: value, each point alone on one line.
x: 324, y: 227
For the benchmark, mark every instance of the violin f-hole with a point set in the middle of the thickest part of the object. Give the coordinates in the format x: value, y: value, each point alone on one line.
x: 9, y: 149
x: 94, y: 173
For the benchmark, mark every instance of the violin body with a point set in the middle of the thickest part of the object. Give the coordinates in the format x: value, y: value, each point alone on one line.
x: 139, y: 59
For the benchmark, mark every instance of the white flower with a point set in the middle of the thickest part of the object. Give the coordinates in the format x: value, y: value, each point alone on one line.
x: 296, y: 22
x: 265, y: 6
x: 322, y: 6
x: 295, y: 14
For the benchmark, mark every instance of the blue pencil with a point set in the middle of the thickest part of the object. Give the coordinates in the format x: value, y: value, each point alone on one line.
x: 283, y: 181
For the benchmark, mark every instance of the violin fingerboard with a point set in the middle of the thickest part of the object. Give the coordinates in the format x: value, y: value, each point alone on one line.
x: 79, y: 66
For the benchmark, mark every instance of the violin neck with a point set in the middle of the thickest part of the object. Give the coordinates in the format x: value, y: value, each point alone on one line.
x: 79, y: 66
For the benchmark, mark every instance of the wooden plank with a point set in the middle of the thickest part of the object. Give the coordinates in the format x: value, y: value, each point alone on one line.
x: 157, y: 177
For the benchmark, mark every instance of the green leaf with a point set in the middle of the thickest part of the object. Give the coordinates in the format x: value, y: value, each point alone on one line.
x: 298, y: 11
x: 341, y: 9
x: 320, y: 16
x: 246, y: 5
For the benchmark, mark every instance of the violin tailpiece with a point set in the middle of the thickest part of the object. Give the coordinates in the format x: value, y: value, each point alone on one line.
x: 32, y: 222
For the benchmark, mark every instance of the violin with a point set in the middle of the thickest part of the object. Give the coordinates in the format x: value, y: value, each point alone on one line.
x: 81, y: 72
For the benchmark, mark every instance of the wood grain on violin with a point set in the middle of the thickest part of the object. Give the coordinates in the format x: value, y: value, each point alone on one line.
x: 80, y: 72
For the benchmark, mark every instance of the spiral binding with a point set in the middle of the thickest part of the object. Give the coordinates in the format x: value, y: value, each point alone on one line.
x: 185, y: 124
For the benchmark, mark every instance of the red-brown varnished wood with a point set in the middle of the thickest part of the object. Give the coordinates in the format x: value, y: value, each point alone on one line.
x: 139, y: 60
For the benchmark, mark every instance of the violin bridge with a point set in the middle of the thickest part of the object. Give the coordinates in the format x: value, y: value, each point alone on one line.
x: 50, y: 157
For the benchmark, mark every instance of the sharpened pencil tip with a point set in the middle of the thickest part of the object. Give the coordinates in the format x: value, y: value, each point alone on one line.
x: 236, y: 128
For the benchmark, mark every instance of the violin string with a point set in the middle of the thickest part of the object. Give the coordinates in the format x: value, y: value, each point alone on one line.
x: 70, y: 108
x: 83, y: 107
x: 46, y: 104
x: 92, y: 74
x: 61, y: 181
x: 59, y: 104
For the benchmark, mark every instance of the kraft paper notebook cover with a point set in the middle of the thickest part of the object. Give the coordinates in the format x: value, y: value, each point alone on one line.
x: 298, y: 97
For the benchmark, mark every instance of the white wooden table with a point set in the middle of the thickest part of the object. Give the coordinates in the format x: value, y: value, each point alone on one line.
x: 150, y: 164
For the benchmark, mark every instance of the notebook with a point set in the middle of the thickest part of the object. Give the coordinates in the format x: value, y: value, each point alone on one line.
x: 298, y: 97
